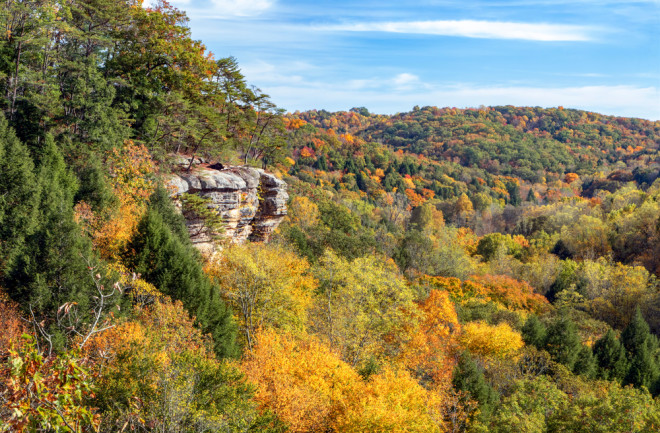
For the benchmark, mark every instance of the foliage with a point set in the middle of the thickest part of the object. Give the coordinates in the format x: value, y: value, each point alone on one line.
x: 159, y: 372
x: 490, y: 341
x: 268, y: 287
x: 358, y: 304
x: 41, y: 393
x: 174, y: 267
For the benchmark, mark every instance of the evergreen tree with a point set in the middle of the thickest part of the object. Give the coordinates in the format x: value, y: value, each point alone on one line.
x: 174, y: 267
x: 563, y: 342
x: 514, y: 193
x: 637, y: 334
x: 610, y: 357
x: 534, y: 332
x: 641, y: 346
x: 643, y: 369
x: 469, y: 377
x: 19, y: 192
x: 585, y: 364
x: 52, y: 269
x: 531, y: 196
x: 161, y: 202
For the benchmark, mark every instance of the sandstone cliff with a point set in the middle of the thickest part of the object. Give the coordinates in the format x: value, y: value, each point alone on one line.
x: 251, y: 202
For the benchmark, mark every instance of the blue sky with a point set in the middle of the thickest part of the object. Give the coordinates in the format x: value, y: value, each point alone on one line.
x: 389, y: 56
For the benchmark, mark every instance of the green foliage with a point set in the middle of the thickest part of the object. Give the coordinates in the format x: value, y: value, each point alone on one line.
x: 19, y: 197
x: 534, y: 332
x: 174, y: 268
x: 51, y: 268
x: 611, y: 357
x: 470, y: 377
x: 200, y: 210
x: 563, y: 342
x: 642, y: 348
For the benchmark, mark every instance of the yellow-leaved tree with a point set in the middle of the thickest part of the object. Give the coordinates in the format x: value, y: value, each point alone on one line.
x: 489, y: 341
x: 358, y: 304
x: 267, y: 285
x: 307, y: 386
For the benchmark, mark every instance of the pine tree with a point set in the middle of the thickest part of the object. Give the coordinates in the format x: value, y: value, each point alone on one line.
x: 563, y: 342
x: 636, y: 335
x: 174, y: 267
x: 610, y: 357
x: 531, y: 196
x: 534, y: 332
x: 469, y: 377
x: 585, y: 364
x: 641, y: 346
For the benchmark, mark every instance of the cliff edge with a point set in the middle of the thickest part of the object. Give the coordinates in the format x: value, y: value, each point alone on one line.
x: 251, y: 202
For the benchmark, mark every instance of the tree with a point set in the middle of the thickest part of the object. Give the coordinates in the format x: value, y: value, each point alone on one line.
x: 529, y: 407
x: 268, y: 286
x: 158, y: 372
x: 641, y: 347
x: 585, y: 363
x: 610, y: 357
x: 51, y: 268
x: 19, y: 197
x: 45, y: 393
x: 490, y: 341
x: 563, y: 342
x: 173, y: 266
x: 301, y: 381
x: 358, y: 303
x: 533, y: 332
x: 469, y: 377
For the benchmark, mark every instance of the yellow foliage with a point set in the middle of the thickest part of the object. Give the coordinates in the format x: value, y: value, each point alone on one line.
x: 394, y: 402
x: 303, y: 212
x: 140, y: 291
x: 491, y: 341
x: 132, y: 174
x: 301, y: 381
x: 309, y: 388
x: 266, y: 285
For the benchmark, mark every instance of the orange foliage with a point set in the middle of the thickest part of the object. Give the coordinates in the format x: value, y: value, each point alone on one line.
x: 11, y: 325
x: 294, y: 123
x: 428, y: 352
x: 508, y: 292
x: 415, y: 199
x: 571, y: 177
x: 307, y: 152
x: 311, y: 390
x: 132, y: 171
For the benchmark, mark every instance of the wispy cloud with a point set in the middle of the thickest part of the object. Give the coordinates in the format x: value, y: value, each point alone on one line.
x: 385, y: 96
x: 220, y: 9
x: 475, y: 29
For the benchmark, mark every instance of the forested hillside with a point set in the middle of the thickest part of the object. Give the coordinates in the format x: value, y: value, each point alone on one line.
x: 442, y: 270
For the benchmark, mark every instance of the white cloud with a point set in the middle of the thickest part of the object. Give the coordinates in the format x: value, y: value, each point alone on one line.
x: 475, y: 29
x: 220, y: 9
x: 241, y: 8
x: 383, y: 96
x: 405, y: 79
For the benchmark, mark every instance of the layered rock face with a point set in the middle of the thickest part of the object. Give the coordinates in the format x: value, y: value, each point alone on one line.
x: 251, y: 202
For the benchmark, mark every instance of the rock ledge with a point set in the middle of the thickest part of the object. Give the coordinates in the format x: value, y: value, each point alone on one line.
x: 251, y: 202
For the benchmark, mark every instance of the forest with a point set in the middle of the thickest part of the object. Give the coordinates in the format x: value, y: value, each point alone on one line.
x: 490, y: 269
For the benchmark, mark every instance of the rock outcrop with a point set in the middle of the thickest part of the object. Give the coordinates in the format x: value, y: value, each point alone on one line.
x: 251, y: 202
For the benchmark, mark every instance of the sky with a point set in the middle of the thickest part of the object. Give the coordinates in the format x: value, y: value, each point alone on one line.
x: 388, y: 56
